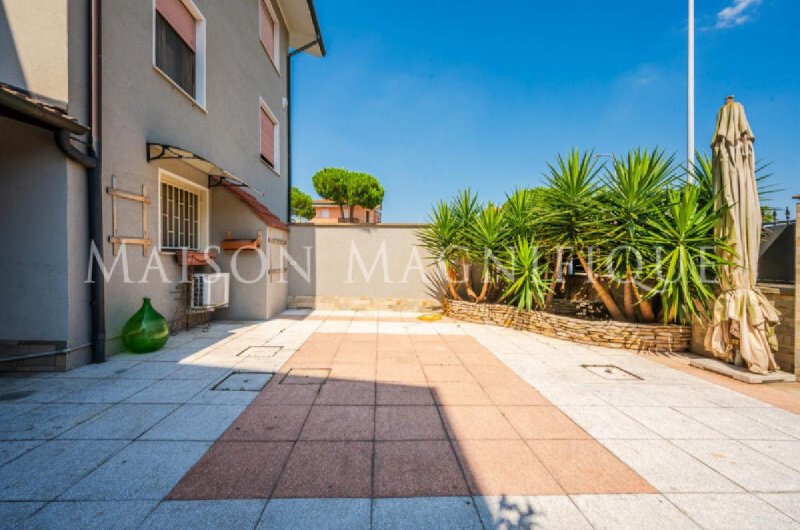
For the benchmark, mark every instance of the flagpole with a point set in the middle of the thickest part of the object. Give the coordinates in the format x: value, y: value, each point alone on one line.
x: 690, y: 96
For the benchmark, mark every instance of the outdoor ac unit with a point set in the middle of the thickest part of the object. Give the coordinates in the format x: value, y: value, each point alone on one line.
x: 210, y: 290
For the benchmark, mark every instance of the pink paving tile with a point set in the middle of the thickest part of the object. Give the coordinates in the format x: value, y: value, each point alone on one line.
x: 277, y: 394
x: 268, y: 423
x: 234, y: 470
x: 347, y: 393
x: 477, y: 423
x: 435, y: 358
x: 352, y: 372
x: 447, y: 374
x: 356, y: 356
x: 327, y: 469
x: 459, y: 394
x: 305, y: 376
x: 504, y: 467
x: 514, y: 393
x: 408, y: 423
x: 543, y: 423
x: 417, y: 469
x: 400, y: 373
x: 397, y: 357
x: 336, y: 422
x: 401, y: 394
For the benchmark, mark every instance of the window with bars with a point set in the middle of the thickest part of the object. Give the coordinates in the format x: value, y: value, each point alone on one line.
x: 180, y: 217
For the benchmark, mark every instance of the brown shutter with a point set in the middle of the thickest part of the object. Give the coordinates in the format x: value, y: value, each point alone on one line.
x: 267, y: 30
x: 178, y: 16
x: 267, y: 137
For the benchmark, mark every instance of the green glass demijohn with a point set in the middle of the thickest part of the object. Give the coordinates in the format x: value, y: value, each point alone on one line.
x: 146, y: 331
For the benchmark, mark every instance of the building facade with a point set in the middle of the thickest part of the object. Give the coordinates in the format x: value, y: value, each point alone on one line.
x: 182, y: 109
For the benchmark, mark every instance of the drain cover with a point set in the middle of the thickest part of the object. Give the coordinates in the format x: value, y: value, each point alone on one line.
x: 260, y: 351
x: 244, y: 381
x: 609, y: 371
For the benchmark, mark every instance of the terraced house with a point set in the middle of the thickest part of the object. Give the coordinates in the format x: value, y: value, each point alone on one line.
x: 149, y: 128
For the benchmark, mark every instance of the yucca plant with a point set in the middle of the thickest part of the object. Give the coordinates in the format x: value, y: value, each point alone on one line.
x: 684, y: 239
x: 465, y: 208
x: 571, y: 224
x: 441, y: 237
x: 526, y: 286
x: 635, y: 186
x: 487, y: 236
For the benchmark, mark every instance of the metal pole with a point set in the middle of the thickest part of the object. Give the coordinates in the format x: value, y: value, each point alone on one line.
x: 690, y: 96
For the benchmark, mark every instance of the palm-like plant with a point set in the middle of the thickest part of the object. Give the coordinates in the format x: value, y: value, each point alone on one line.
x: 685, y: 242
x: 635, y: 187
x: 465, y: 208
x: 573, y: 215
x: 441, y: 237
x: 487, y: 236
x: 526, y: 286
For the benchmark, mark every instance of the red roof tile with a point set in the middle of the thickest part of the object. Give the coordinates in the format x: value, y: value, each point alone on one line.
x: 256, y: 206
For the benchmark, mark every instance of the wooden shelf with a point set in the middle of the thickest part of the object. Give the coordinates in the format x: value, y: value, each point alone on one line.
x: 231, y: 244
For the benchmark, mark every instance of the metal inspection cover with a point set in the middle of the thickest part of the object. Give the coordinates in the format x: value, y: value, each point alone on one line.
x: 611, y: 372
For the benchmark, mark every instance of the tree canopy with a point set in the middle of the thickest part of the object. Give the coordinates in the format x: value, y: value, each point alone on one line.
x: 344, y: 187
x: 302, y: 205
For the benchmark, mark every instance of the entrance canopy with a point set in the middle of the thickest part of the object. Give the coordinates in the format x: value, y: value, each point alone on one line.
x: 216, y: 174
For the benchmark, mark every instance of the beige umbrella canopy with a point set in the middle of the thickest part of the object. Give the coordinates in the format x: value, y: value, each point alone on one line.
x: 743, y: 325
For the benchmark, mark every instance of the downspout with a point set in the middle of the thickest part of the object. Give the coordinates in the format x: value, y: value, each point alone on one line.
x: 91, y: 160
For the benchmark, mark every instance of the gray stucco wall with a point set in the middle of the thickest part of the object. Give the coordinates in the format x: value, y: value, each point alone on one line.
x: 359, y: 266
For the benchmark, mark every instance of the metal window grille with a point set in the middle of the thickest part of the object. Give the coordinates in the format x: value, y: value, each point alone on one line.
x: 179, y: 217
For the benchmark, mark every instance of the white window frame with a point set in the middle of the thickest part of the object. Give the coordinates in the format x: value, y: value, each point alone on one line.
x: 199, y: 99
x: 276, y: 61
x: 203, y: 209
x: 262, y: 106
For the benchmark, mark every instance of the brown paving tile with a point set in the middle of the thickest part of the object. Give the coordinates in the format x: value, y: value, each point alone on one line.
x: 352, y: 372
x: 459, y: 394
x: 401, y: 394
x: 347, y: 393
x: 585, y: 466
x: 305, y: 376
x: 543, y: 422
x: 327, y: 469
x: 336, y: 422
x: 477, y: 423
x: 417, y: 469
x: 408, y: 423
x: 519, y: 393
x: 504, y: 467
x: 400, y: 373
x: 447, y: 374
x: 268, y: 423
x: 234, y: 470
x: 277, y: 394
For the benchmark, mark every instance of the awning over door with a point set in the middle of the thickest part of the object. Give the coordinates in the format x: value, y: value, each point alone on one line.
x: 216, y: 175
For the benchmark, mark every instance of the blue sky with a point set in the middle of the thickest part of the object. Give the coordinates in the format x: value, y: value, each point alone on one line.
x: 435, y: 95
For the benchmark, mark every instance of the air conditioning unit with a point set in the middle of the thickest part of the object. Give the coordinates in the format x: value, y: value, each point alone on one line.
x: 210, y: 291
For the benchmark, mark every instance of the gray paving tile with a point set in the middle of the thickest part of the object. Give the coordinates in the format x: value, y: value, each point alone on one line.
x: 47, y: 421
x: 170, y: 390
x: 525, y: 512
x: 733, y: 424
x: 149, y: 370
x: 637, y: 512
x: 10, y: 383
x: 671, y: 424
x: 11, y: 450
x: 12, y: 514
x: 669, y: 468
x: 442, y: 513
x: 120, y: 422
x: 52, y: 390
x: 224, y: 397
x: 785, y: 452
x: 244, y: 381
x: 214, y: 515
x: 743, y: 465
x: 195, y: 422
x: 607, y: 422
x: 205, y: 373
x: 144, y: 470
x: 110, y: 368
x: 778, y: 419
x: 48, y: 470
x: 12, y: 410
x: 787, y: 503
x: 92, y: 514
x: 715, y: 511
x: 328, y: 514
x: 107, y: 391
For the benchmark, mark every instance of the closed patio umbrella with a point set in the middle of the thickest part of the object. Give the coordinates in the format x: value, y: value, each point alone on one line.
x: 743, y: 324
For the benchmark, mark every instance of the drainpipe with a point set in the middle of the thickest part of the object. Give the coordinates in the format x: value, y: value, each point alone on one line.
x: 91, y: 160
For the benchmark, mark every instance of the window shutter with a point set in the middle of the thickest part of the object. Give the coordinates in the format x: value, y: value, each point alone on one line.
x: 178, y: 16
x: 267, y: 137
x: 267, y: 30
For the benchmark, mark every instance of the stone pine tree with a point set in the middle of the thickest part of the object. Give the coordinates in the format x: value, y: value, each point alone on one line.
x: 302, y: 205
x: 343, y: 187
x: 331, y: 183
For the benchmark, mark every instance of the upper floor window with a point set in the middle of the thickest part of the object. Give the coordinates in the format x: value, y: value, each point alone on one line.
x: 269, y: 31
x: 270, y: 138
x: 180, y: 45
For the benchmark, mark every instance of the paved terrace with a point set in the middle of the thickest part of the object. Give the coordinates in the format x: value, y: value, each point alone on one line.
x: 380, y: 420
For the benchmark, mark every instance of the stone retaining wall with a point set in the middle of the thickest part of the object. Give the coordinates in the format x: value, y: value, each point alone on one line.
x: 363, y: 303
x: 642, y: 337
